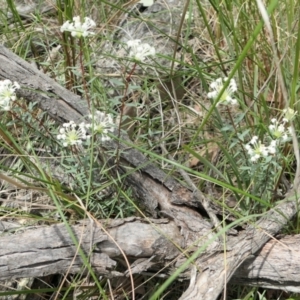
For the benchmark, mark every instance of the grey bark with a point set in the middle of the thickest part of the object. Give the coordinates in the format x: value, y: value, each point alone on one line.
x: 58, y: 102
x: 274, y: 266
x: 48, y: 250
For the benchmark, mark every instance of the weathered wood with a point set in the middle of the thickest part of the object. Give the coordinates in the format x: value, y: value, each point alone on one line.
x: 58, y: 102
x: 275, y: 266
x: 49, y: 250
x: 219, y: 268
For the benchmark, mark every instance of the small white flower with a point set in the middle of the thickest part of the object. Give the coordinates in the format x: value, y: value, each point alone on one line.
x: 272, y: 147
x: 226, y: 98
x: 7, y: 93
x: 140, y: 51
x: 72, y: 134
x: 146, y: 3
x: 77, y: 28
x: 256, y: 149
x: 279, y: 131
x: 289, y: 114
x: 101, y: 124
x: 188, y: 15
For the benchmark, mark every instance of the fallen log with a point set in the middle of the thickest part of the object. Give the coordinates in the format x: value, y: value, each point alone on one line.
x: 274, y: 266
x: 50, y: 250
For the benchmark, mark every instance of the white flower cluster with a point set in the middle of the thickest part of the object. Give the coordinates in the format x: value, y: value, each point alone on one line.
x: 101, y: 124
x: 146, y: 3
x: 77, y: 28
x: 188, y: 16
x: 256, y: 149
x: 279, y: 133
x: 289, y: 114
x: 7, y: 93
x: 226, y: 97
x: 140, y: 51
x: 72, y: 134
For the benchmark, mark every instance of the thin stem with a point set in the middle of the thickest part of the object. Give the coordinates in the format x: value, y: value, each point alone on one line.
x: 82, y: 73
x: 235, y: 129
x: 127, y: 80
